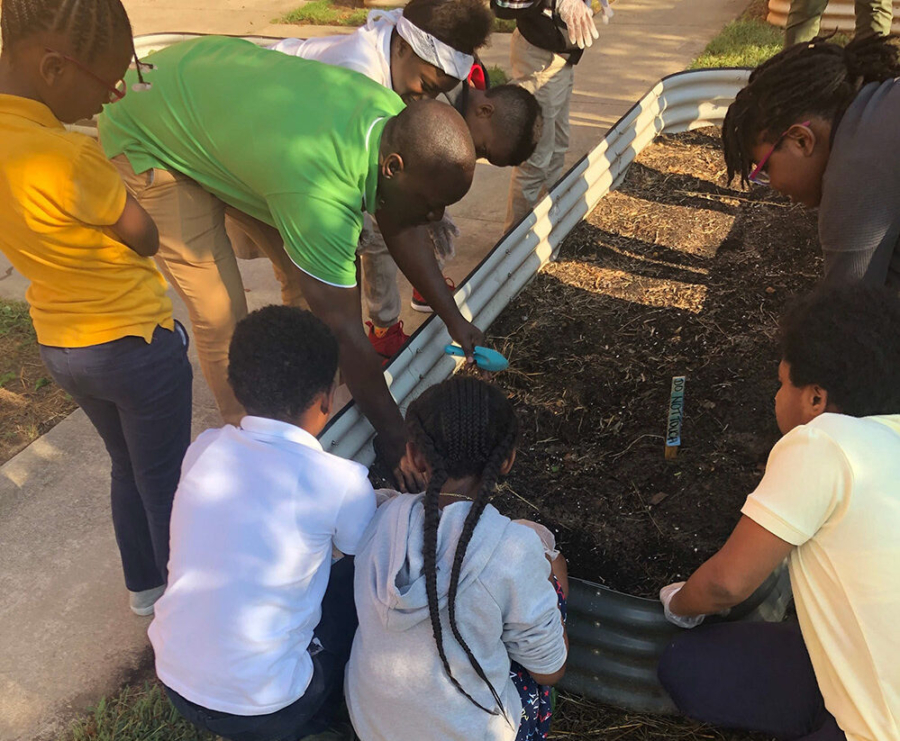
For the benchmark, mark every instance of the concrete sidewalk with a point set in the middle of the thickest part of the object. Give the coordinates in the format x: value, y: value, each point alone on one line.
x: 68, y: 637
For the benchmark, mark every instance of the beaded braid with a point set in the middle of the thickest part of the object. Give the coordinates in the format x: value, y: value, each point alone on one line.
x: 463, y: 427
x: 818, y: 79
x: 91, y: 25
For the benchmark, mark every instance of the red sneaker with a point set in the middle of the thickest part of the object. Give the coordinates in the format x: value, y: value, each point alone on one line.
x: 388, y: 344
x: 419, y: 303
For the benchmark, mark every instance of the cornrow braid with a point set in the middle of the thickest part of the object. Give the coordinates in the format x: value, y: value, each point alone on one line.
x: 816, y: 79
x: 463, y: 427
x: 438, y: 478
x: 92, y: 26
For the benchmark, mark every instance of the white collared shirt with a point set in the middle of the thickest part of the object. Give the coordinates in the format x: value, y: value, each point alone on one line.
x: 256, y: 513
x: 366, y: 50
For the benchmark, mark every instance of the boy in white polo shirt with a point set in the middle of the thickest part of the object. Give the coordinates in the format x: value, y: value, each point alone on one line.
x: 255, y: 627
x: 830, y: 503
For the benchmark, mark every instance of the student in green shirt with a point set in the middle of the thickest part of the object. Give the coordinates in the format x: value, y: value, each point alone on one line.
x: 305, y: 148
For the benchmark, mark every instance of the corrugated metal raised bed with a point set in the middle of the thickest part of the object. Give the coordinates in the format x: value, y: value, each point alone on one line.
x: 615, y: 638
x: 839, y: 14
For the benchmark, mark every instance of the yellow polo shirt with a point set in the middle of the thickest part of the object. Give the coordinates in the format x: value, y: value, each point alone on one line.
x: 58, y: 192
x: 832, y: 489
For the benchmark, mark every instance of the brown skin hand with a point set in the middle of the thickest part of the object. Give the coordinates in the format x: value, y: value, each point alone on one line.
x: 413, y: 196
x: 361, y: 370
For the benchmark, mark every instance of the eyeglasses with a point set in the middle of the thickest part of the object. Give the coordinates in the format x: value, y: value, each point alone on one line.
x: 758, y: 174
x: 116, y: 91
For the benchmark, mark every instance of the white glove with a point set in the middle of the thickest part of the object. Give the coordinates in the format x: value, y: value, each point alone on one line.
x: 665, y: 596
x: 579, y: 20
x: 443, y: 236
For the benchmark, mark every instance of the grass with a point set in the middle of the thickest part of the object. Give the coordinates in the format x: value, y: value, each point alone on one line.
x: 325, y: 13
x: 137, y: 713
x: 340, y: 13
x: 746, y: 42
x: 30, y: 403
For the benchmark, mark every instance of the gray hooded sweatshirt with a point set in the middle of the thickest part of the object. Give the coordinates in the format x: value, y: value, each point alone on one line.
x: 506, y: 609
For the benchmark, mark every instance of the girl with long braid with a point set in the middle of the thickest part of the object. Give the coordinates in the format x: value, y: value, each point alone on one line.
x: 460, y: 608
x: 819, y: 123
x: 99, y: 304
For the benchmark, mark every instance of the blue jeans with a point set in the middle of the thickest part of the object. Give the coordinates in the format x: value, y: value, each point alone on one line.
x: 314, y: 710
x: 138, y: 397
x: 752, y: 676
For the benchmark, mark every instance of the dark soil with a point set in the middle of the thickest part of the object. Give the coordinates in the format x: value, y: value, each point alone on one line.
x: 674, y: 274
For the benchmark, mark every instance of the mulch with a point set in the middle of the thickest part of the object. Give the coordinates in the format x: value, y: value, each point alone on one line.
x: 674, y: 274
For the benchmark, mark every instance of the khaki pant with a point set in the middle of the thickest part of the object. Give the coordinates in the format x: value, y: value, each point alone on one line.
x: 380, y: 274
x: 196, y: 256
x: 550, y: 79
x: 873, y: 18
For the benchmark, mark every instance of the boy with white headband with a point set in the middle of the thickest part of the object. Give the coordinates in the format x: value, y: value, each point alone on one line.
x: 426, y: 50
x: 550, y: 37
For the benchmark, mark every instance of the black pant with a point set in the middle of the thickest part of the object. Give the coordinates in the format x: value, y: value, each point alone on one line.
x: 751, y: 676
x: 138, y: 397
x: 315, y: 709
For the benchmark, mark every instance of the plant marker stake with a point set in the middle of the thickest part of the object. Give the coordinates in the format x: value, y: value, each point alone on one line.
x: 676, y: 417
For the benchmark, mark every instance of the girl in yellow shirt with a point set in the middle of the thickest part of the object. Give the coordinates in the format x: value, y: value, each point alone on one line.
x: 99, y: 305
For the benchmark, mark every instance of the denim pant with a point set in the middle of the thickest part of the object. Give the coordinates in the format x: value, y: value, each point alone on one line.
x: 752, y: 676
x: 313, y: 712
x: 138, y: 397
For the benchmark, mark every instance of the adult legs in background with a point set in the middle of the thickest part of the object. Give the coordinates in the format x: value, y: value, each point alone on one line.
x: 256, y: 237
x: 803, y: 21
x: 196, y: 257
x: 873, y: 17
x: 751, y: 676
x: 550, y: 78
x: 313, y: 712
x: 379, y: 273
x: 138, y: 397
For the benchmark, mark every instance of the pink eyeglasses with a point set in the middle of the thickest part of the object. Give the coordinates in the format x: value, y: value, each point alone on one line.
x: 116, y: 91
x: 760, y: 176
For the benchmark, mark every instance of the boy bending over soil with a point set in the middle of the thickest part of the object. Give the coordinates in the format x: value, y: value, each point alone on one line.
x: 830, y: 503
x: 254, y: 630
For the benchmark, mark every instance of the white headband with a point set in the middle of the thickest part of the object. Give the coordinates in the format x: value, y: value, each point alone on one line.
x: 434, y: 51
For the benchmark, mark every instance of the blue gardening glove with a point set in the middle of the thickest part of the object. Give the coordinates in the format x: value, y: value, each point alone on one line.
x: 665, y: 596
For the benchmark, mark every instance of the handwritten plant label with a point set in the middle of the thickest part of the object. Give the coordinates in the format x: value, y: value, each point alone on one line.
x: 676, y: 416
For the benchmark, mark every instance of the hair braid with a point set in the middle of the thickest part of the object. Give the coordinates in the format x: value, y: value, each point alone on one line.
x: 438, y: 478
x: 815, y: 79
x: 91, y: 25
x: 462, y: 427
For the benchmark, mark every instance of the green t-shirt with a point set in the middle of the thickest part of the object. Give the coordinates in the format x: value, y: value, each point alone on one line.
x: 289, y: 141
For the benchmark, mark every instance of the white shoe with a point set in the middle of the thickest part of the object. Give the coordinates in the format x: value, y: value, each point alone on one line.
x: 142, y: 602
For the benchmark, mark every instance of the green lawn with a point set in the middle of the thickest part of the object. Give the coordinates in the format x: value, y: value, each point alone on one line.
x: 136, y: 714
x: 746, y: 42
x: 331, y: 13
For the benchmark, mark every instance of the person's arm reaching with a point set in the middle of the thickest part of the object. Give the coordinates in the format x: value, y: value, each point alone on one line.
x: 730, y: 576
x: 412, y: 250
x: 136, y: 229
x: 361, y: 370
